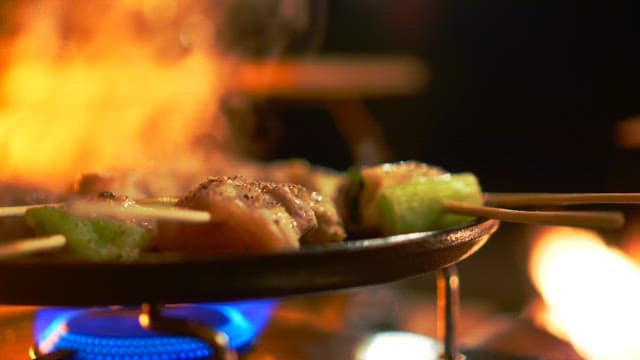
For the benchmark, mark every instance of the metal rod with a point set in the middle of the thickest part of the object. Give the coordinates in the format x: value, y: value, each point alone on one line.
x: 151, y: 318
x: 448, y: 299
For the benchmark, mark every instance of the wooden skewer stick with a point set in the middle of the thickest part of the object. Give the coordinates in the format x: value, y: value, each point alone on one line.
x: 31, y: 245
x: 160, y: 209
x: 7, y: 211
x: 594, y: 219
x: 99, y: 208
x: 548, y: 199
x: 157, y: 201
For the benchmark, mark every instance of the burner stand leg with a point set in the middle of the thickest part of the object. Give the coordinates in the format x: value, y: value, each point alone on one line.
x: 448, y: 299
x: 56, y: 355
x: 151, y: 318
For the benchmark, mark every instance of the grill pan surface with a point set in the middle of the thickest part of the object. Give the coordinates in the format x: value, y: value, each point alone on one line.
x: 179, y: 278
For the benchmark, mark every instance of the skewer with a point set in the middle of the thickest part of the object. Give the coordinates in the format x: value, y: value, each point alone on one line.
x: 7, y: 211
x: 160, y: 208
x: 595, y: 219
x: 99, y: 208
x: 31, y: 245
x: 157, y: 201
x: 548, y: 199
x: 506, y: 200
x: 157, y: 208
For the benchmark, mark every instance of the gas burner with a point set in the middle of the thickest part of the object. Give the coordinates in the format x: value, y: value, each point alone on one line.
x: 119, y: 333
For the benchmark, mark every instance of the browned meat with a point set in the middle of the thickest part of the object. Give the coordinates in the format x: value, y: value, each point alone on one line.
x: 329, y: 225
x: 248, y: 217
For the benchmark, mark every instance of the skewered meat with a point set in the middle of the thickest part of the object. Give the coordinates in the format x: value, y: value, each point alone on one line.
x: 251, y: 216
x: 248, y: 217
x: 329, y: 226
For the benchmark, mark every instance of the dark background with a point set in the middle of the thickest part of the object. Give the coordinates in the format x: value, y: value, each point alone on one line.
x: 524, y: 94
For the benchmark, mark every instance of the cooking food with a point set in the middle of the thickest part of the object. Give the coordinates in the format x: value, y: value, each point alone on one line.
x: 91, y: 237
x: 361, y: 188
x: 419, y: 204
x: 235, y: 215
x: 250, y: 216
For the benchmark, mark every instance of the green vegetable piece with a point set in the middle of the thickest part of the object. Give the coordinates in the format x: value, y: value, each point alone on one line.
x: 417, y: 205
x: 90, y: 238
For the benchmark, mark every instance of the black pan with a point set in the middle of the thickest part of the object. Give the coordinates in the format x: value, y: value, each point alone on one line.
x: 179, y: 278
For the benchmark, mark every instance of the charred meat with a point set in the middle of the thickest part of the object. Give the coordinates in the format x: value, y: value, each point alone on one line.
x: 250, y: 216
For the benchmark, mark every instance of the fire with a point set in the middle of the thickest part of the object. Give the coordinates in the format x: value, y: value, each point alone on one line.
x: 591, y: 291
x: 98, y: 85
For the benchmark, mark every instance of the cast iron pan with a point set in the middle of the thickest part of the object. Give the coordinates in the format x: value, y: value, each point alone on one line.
x: 180, y: 278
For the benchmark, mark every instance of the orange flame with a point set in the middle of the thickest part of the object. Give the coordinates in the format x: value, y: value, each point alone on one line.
x: 591, y: 291
x: 99, y: 85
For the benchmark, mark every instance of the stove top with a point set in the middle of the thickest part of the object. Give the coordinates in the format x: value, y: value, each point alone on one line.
x: 345, y: 325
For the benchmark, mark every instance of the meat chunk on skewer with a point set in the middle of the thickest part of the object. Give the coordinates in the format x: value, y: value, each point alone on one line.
x: 329, y: 225
x: 250, y: 216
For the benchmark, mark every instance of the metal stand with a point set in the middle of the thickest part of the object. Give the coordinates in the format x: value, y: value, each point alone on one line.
x: 448, y: 299
x: 151, y: 318
x: 56, y: 355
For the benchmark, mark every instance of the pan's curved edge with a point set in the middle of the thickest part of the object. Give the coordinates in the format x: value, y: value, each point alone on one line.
x: 200, y: 279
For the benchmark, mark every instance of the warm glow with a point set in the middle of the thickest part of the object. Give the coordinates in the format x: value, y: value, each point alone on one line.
x: 591, y: 291
x: 96, y: 85
x: 398, y: 345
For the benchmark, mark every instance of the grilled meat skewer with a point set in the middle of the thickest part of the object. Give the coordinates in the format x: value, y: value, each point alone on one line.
x: 250, y: 216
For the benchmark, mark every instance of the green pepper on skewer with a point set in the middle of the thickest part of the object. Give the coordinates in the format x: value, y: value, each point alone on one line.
x: 90, y: 238
x: 418, y: 205
x: 408, y: 197
x: 402, y: 197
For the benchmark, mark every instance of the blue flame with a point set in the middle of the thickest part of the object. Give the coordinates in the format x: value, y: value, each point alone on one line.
x: 115, y: 334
